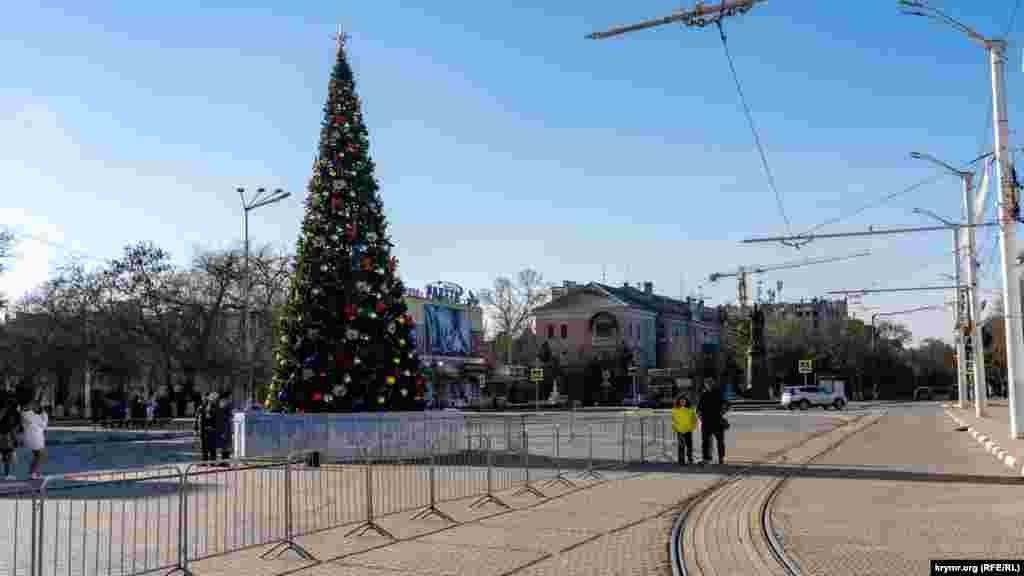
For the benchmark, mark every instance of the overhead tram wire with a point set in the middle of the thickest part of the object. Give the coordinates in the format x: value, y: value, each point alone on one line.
x: 753, y: 129
x: 886, y: 198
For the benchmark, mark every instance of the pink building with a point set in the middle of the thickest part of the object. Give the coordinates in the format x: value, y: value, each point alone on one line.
x: 593, y: 320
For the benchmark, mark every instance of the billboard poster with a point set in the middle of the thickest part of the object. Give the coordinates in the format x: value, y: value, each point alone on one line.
x: 447, y: 330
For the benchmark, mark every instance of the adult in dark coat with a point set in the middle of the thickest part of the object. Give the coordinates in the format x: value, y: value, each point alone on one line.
x: 223, y: 422
x: 206, y: 420
x: 711, y: 410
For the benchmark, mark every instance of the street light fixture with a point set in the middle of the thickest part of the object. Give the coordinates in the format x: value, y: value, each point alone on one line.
x: 972, y: 324
x: 262, y: 198
x: 996, y: 48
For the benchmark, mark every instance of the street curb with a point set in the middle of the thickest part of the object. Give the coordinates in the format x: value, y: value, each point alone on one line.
x: 990, y: 446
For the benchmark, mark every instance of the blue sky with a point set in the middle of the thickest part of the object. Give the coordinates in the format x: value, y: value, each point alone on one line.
x: 504, y: 139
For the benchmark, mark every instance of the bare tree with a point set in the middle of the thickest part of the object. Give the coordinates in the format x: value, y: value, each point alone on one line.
x: 208, y: 301
x: 6, y: 249
x: 511, y: 304
x: 149, y: 301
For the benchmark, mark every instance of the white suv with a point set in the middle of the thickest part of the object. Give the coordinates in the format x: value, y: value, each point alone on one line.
x: 824, y: 395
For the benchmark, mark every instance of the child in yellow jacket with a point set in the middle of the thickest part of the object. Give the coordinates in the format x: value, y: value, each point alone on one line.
x: 684, y: 421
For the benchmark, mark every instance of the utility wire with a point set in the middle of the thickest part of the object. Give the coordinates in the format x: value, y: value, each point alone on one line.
x: 985, y: 139
x: 888, y: 197
x: 753, y: 128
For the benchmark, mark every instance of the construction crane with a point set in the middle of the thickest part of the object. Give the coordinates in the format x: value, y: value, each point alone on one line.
x: 743, y: 273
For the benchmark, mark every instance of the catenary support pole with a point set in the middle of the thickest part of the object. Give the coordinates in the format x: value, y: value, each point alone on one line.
x: 961, y: 359
x: 1008, y: 239
x: 975, y: 309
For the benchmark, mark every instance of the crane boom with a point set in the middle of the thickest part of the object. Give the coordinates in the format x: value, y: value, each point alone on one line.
x: 744, y: 271
x: 757, y: 269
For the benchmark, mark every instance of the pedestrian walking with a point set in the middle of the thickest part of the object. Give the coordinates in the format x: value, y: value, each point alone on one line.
x: 684, y: 420
x: 711, y: 409
x: 34, y: 420
x: 10, y: 424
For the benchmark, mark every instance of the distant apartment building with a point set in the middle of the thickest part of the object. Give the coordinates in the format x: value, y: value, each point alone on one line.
x: 816, y: 313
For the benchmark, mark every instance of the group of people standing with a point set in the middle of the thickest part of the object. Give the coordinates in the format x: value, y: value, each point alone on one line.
x: 22, y: 421
x: 214, y: 426
x: 710, y: 412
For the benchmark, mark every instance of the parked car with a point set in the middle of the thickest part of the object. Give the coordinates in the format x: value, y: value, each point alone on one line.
x: 922, y: 393
x: 803, y: 397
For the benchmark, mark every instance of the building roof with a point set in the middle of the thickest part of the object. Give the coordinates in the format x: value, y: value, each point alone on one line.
x: 641, y: 299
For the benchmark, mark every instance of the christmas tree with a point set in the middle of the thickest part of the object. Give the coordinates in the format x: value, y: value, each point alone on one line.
x: 345, y: 339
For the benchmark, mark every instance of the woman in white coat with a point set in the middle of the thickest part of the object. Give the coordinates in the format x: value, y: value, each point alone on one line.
x: 34, y: 421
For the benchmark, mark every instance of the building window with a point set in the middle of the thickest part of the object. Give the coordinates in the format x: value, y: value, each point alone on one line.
x: 551, y: 331
x: 604, y: 327
x: 565, y: 331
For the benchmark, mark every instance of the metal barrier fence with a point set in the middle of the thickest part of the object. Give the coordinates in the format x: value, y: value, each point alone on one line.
x: 163, y: 519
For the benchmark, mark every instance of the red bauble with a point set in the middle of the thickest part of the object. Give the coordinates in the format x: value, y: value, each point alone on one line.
x: 350, y: 311
x: 316, y: 396
x: 351, y: 231
x: 381, y: 307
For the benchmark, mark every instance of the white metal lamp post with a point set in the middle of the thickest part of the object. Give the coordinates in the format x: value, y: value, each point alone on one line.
x: 262, y: 198
x: 996, y: 49
x: 972, y: 268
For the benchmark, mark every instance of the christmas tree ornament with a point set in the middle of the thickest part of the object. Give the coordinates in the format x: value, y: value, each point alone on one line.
x: 397, y: 360
x: 316, y: 396
x: 407, y: 373
x: 351, y: 334
x: 390, y: 380
x: 328, y: 398
x: 347, y: 379
x: 404, y: 392
x: 380, y: 399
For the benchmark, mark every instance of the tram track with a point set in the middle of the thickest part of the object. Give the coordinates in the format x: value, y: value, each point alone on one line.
x: 678, y: 559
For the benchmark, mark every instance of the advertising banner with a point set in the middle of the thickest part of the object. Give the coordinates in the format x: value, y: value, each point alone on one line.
x: 447, y: 331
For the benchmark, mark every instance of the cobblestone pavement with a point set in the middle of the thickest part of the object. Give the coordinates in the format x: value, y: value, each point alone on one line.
x: 914, y: 490
x: 723, y: 535
x: 133, y: 526
x: 995, y: 427
x: 615, y: 527
x: 618, y: 527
